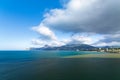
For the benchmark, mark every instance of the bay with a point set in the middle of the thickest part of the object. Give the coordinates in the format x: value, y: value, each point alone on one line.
x: 50, y: 65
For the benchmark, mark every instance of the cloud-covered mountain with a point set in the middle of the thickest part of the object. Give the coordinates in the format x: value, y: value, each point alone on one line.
x: 73, y: 47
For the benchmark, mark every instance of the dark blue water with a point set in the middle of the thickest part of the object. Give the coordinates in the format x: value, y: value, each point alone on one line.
x: 49, y: 65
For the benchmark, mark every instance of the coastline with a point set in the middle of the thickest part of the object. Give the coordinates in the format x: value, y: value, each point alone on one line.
x: 107, y: 55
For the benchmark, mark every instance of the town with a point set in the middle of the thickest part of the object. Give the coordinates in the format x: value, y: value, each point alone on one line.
x: 109, y: 50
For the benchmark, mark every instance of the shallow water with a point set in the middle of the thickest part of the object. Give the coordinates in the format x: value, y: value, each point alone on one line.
x: 49, y: 66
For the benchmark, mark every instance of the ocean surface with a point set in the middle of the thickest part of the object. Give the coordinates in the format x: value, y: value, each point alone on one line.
x: 50, y: 65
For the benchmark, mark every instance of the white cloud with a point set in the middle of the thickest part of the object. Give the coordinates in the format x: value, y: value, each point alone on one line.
x: 99, y: 16
x: 113, y: 43
x: 82, y: 39
x: 51, y: 43
x: 82, y: 16
x: 45, y: 32
x: 86, y: 38
x: 39, y: 42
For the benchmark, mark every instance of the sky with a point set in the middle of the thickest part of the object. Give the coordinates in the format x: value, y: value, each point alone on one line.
x: 17, y: 18
x: 36, y: 23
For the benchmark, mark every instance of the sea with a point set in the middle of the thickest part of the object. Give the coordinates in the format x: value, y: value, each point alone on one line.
x: 51, y: 65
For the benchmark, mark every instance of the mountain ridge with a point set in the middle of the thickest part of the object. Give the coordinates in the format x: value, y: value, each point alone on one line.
x: 82, y: 47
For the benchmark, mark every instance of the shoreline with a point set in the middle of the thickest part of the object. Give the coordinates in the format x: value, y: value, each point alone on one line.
x: 107, y: 55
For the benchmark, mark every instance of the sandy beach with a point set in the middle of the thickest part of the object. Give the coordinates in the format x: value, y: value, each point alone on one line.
x: 107, y: 55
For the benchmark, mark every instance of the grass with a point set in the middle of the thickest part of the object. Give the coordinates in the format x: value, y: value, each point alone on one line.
x: 107, y: 55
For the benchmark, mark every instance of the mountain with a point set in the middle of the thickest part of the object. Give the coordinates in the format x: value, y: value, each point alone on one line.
x: 82, y: 47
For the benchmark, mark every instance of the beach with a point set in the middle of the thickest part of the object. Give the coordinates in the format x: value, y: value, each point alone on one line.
x: 107, y: 55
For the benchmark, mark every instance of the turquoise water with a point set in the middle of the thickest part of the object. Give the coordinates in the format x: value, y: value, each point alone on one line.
x: 48, y: 65
x: 30, y: 55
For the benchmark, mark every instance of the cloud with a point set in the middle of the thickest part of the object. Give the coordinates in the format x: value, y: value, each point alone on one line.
x: 85, y: 38
x: 109, y: 40
x: 45, y: 32
x: 113, y: 43
x: 51, y: 43
x: 99, y: 17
